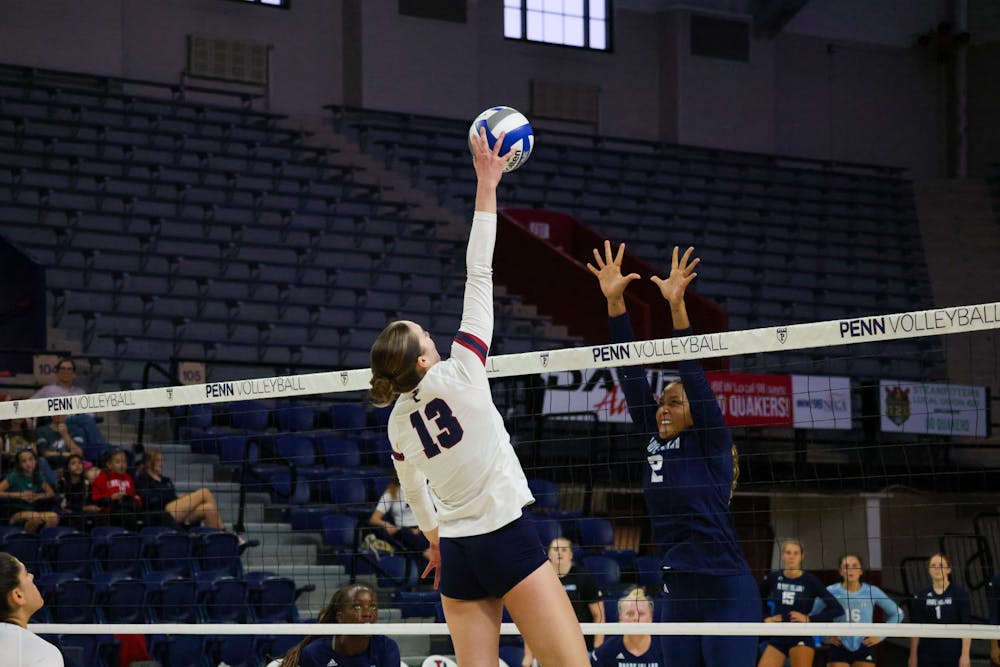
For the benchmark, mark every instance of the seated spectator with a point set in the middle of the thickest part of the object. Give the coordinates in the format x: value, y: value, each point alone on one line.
x: 28, y: 497
x: 396, y: 523
x: 19, y: 599
x: 114, y: 492
x: 63, y: 386
x: 18, y: 435
x: 15, y: 434
x: 631, y: 650
x: 58, y: 440
x: 158, y: 495
x: 354, y: 603
x: 581, y: 588
x: 77, y: 507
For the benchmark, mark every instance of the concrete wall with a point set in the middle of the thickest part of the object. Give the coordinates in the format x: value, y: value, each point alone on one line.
x: 871, y: 98
x: 141, y: 39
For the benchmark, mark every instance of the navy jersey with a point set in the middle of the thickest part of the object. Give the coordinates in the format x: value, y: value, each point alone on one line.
x: 799, y: 594
x: 381, y: 652
x: 951, y: 606
x: 612, y: 653
x: 687, y: 481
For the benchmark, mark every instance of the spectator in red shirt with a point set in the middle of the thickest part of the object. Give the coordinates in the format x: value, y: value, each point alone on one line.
x: 114, y: 490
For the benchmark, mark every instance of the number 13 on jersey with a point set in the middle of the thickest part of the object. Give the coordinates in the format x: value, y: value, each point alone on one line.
x: 449, y: 431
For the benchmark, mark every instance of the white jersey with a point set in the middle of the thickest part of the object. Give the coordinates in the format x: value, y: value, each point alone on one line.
x: 397, y: 508
x: 23, y: 648
x: 450, y: 447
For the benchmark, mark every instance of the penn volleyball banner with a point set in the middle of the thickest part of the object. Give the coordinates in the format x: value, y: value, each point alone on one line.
x: 939, y: 409
x: 799, y: 401
x: 894, y: 326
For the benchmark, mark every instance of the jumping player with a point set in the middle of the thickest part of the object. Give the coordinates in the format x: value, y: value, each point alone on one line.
x: 942, y: 602
x: 798, y: 597
x: 858, y: 600
x: 687, y: 482
x: 459, y: 472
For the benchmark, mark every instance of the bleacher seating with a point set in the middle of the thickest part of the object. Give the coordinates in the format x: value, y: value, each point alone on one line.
x: 789, y: 240
x: 235, y: 241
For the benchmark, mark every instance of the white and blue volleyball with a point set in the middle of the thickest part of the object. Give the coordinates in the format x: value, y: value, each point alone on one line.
x: 520, y: 138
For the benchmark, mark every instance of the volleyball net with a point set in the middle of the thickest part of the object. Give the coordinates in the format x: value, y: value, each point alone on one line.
x: 853, y: 436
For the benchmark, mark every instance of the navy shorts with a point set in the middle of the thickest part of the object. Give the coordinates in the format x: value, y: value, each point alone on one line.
x: 709, y: 598
x: 786, y: 644
x: 489, y: 565
x: 841, y: 654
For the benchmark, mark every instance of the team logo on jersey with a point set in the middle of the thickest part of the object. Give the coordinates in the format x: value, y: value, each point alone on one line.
x: 897, y: 405
x: 332, y: 663
x: 655, y: 446
x: 782, y: 334
x: 343, y: 377
x: 545, y: 359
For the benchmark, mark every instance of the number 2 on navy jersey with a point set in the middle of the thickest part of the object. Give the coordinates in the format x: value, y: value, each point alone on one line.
x: 449, y: 430
x: 655, y: 466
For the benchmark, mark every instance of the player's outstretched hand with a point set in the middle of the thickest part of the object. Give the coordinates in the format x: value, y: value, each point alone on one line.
x: 488, y: 162
x: 681, y: 275
x: 609, y: 272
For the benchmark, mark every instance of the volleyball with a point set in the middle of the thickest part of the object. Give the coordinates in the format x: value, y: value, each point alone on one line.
x: 520, y: 137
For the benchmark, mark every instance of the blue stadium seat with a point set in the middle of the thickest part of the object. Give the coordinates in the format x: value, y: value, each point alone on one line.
x: 349, y: 495
x: 167, y: 550
x: 546, y: 495
x: 339, y: 452
x: 69, y: 598
x: 288, y: 491
x: 604, y: 570
x: 179, y: 650
x: 117, y: 550
x: 296, y: 417
x: 27, y: 548
x: 349, y: 417
x: 416, y: 603
x: 548, y: 529
x: 87, y: 650
x: 67, y: 550
x: 299, y: 451
x: 226, y: 600
x: 171, y: 598
x: 273, y: 597
x: 251, y: 417
x: 218, y: 552
x: 596, y: 534
x: 122, y: 598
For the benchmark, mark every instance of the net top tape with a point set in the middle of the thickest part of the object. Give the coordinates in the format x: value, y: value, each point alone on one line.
x: 866, y: 329
x: 423, y: 629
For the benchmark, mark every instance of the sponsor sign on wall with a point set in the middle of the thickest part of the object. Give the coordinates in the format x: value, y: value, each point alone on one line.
x: 745, y: 399
x: 941, y: 409
x: 821, y: 401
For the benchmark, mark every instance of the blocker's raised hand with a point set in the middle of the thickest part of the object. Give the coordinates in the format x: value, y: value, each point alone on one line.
x: 609, y: 272
x: 681, y: 275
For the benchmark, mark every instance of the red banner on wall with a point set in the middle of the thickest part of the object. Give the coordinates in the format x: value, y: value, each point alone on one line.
x: 754, y: 400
